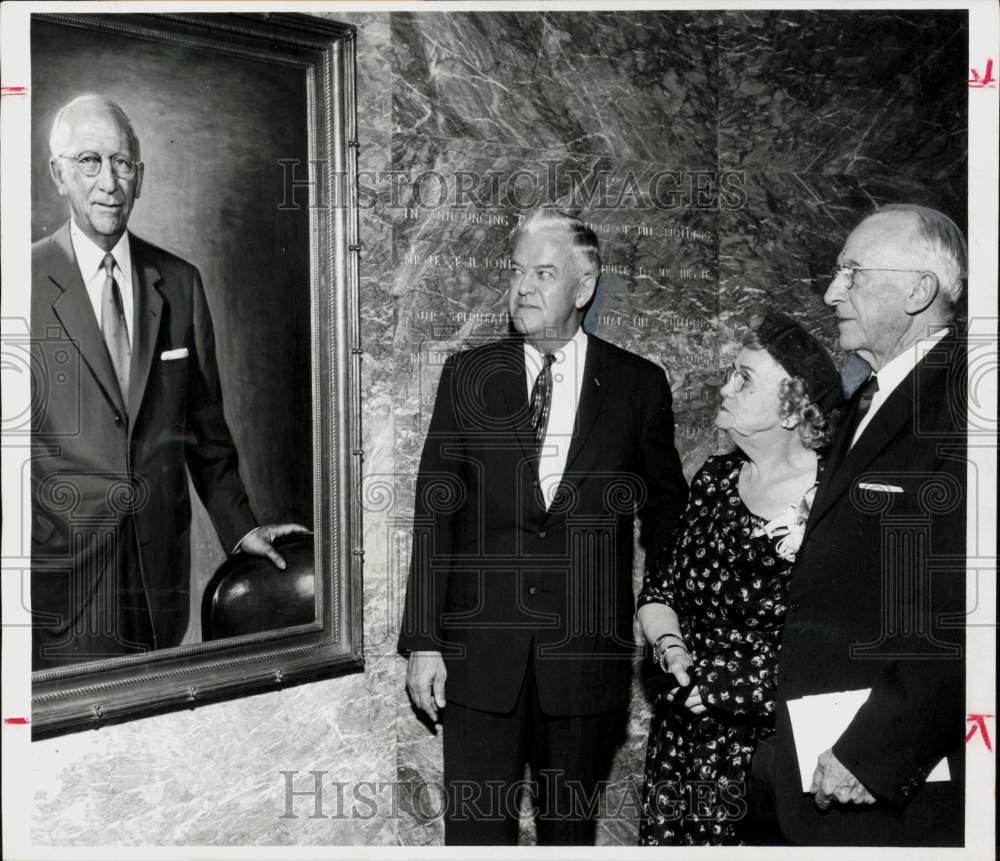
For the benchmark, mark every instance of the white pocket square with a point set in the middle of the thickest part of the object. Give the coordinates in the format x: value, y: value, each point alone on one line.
x: 879, y: 488
x: 179, y: 353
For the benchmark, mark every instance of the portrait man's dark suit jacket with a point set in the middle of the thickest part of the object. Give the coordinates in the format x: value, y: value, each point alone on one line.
x: 494, y: 575
x: 877, y: 600
x: 101, y: 468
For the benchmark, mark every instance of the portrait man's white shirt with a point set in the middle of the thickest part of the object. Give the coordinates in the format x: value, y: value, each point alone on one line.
x: 894, y: 372
x: 567, y: 383
x: 90, y: 261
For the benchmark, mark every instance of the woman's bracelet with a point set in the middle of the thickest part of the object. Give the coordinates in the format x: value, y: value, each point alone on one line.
x: 659, y: 656
x: 662, y: 637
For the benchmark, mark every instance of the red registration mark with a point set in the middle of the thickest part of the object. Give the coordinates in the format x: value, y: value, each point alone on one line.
x: 978, y: 722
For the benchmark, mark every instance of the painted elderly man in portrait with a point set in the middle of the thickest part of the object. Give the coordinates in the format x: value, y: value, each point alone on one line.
x: 127, y: 402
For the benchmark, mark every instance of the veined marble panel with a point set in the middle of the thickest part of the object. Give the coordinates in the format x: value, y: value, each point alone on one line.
x: 434, y: 173
x: 861, y: 92
x: 214, y: 776
x: 375, y: 234
x: 374, y: 66
x: 635, y: 86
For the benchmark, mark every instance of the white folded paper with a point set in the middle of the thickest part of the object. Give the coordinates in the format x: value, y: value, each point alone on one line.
x: 179, y: 353
x: 819, y: 720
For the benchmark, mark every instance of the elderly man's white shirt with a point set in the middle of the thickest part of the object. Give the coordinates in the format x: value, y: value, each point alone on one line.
x: 90, y: 261
x: 567, y: 383
x: 894, y: 372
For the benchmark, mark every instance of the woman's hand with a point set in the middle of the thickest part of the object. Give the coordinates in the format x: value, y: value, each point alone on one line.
x: 676, y: 660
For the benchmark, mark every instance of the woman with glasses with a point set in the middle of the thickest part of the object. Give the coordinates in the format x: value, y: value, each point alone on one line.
x: 713, y: 615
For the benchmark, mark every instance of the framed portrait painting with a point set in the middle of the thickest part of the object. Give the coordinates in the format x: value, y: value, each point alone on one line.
x: 241, y: 396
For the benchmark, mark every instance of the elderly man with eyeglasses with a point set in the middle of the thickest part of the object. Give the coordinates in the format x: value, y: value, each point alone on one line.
x: 877, y: 595
x: 126, y: 394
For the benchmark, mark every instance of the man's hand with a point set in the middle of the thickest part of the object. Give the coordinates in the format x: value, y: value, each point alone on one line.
x: 833, y: 782
x: 425, y: 675
x: 259, y: 542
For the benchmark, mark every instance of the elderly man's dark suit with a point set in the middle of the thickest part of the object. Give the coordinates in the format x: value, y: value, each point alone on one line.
x: 497, y: 583
x: 109, y: 492
x: 877, y: 601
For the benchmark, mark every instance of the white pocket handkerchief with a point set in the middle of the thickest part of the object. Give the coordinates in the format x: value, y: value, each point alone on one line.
x: 179, y: 353
x: 879, y: 488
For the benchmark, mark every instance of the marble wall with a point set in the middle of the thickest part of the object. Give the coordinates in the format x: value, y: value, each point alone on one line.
x: 721, y: 157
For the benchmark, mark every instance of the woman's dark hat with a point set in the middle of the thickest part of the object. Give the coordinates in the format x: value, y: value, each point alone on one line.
x: 801, y: 355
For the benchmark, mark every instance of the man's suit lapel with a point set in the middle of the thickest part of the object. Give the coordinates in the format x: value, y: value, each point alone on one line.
x: 513, y: 385
x: 148, y: 307
x: 73, y: 309
x: 593, y: 390
x: 514, y: 390
x: 833, y: 486
x: 846, y: 463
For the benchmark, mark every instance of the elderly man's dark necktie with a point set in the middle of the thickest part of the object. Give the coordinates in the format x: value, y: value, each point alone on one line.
x: 868, y: 391
x: 113, y: 326
x: 541, y: 401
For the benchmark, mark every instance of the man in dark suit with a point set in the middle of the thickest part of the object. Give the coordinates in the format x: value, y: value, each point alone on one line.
x: 877, y: 595
x: 541, y: 450
x: 126, y: 393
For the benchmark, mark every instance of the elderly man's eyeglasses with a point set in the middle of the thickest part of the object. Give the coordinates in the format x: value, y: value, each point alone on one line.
x: 89, y: 164
x: 735, y: 379
x: 848, y: 272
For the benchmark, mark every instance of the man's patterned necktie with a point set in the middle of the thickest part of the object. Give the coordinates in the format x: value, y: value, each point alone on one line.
x: 541, y: 401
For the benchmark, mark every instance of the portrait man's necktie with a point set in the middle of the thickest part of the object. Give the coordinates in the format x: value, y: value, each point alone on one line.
x: 113, y: 326
x: 541, y: 401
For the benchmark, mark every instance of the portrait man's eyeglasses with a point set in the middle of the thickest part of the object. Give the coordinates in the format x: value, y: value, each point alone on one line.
x: 848, y: 272
x: 89, y: 164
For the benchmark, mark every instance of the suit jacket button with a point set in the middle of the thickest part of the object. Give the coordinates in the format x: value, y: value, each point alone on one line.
x: 542, y: 534
x: 532, y: 590
x: 118, y: 420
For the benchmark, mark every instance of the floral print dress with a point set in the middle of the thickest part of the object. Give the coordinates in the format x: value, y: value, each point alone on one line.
x: 727, y: 582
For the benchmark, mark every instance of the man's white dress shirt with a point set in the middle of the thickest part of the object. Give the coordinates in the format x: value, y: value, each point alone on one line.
x: 894, y: 372
x: 90, y: 260
x: 567, y: 383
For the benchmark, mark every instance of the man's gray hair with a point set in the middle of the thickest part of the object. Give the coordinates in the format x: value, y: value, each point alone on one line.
x: 56, y: 135
x: 944, y: 245
x: 582, y: 238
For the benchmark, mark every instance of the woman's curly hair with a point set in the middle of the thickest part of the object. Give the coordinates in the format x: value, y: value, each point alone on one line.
x: 815, y: 426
